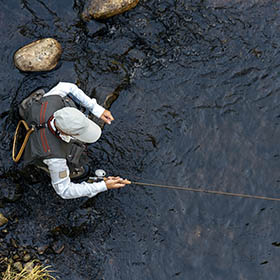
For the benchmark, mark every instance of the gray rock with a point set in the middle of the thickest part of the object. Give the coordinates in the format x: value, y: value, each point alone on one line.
x: 29, y: 266
x: 57, y: 247
x: 10, y: 192
x: 41, y: 55
x: 102, y: 9
x: 18, y: 266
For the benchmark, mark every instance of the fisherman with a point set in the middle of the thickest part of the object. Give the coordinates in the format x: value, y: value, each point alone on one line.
x: 60, y: 131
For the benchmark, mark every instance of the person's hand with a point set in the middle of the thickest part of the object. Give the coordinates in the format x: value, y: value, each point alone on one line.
x: 115, y: 182
x: 107, y: 117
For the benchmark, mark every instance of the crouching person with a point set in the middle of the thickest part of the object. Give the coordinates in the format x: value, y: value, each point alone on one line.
x: 57, y: 143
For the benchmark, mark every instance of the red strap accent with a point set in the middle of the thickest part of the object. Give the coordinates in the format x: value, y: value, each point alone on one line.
x: 43, y: 130
x: 50, y: 127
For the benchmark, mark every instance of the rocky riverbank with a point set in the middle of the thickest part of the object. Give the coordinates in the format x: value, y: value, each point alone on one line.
x: 42, y: 55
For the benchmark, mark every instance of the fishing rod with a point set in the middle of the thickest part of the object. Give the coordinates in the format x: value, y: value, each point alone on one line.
x: 100, y: 176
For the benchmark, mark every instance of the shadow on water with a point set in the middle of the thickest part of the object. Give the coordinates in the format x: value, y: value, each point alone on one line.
x: 194, y: 89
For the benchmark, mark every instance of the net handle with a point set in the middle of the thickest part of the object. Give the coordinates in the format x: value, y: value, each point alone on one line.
x: 17, y: 157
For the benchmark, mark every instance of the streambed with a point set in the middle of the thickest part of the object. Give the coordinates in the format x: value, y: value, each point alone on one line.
x: 195, y: 96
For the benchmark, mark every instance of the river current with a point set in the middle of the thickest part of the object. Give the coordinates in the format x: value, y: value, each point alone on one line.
x: 195, y: 94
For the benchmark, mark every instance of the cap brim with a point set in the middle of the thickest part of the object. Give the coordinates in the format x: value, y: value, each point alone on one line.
x: 92, y: 133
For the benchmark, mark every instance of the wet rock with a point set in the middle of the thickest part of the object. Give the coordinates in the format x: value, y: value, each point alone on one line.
x: 15, y: 257
x: 10, y: 192
x: 3, y: 220
x: 41, y: 250
x: 94, y: 28
x: 257, y: 52
x: 18, y: 266
x: 14, y: 243
x: 58, y: 248
x: 26, y: 258
x: 41, y: 55
x: 4, y: 249
x: 102, y: 9
x: 29, y: 266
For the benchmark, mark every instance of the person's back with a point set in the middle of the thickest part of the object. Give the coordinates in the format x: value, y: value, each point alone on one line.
x: 60, y: 129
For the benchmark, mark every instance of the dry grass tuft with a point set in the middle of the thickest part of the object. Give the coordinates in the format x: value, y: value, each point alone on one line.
x: 37, y: 272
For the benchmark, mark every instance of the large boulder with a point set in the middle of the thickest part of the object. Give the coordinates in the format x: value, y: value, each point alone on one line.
x: 41, y: 55
x: 102, y: 9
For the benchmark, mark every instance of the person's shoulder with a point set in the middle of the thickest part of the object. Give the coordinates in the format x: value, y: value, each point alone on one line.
x: 55, y: 161
x: 66, y: 84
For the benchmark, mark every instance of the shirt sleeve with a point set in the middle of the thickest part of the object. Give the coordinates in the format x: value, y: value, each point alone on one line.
x: 59, y: 173
x: 63, y: 89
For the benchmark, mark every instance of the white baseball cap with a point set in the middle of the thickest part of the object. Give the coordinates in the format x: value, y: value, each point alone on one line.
x: 73, y: 122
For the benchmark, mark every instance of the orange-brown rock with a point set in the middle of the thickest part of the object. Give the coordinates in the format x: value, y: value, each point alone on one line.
x: 3, y: 220
x: 41, y: 55
x: 102, y: 9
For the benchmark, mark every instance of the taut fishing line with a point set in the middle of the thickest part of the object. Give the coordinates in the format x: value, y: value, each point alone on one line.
x: 100, y: 175
x: 205, y: 191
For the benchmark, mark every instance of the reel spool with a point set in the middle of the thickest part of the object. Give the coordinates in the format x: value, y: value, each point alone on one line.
x: 100, y: 173
x: 99, y: 176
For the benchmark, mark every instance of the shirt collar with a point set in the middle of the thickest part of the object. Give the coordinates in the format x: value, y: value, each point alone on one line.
x: 65, y: 138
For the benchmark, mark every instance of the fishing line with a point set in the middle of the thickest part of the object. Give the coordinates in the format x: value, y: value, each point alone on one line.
x: 100, y: 175
x: 206, y: 191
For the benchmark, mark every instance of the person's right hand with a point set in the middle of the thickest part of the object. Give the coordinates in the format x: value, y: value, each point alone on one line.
x: 107, y: 117
x: 115, y: 182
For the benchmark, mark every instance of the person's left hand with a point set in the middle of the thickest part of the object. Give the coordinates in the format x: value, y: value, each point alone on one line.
x: 107, y: 117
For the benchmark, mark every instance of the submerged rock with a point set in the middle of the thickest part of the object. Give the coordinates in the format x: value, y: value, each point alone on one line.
x: 57, y: 247
x: 3, y: 220
x: 10, y: 192
x: 41, y: 55
x: 41, y: 250
x: 101, y: 9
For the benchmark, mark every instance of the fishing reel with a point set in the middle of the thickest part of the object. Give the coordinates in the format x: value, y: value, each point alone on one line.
x: 99, y: 176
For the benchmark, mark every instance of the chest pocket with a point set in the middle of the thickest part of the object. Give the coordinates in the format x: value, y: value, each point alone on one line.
x: 77, y: 155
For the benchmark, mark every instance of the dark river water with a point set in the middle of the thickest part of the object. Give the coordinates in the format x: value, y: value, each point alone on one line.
x: 195, y: 95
